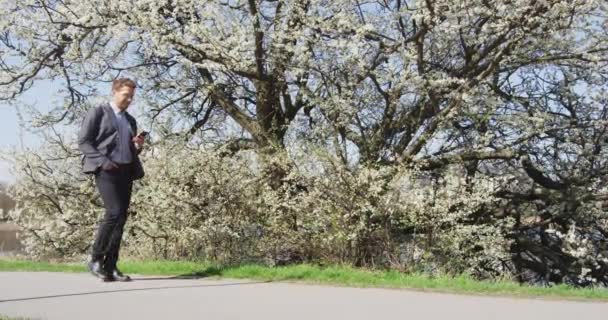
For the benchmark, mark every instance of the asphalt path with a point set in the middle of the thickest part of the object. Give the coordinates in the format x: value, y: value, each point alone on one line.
x: 66, y: 296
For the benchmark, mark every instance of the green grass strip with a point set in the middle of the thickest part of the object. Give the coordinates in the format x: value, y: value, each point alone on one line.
x: 333, y: 275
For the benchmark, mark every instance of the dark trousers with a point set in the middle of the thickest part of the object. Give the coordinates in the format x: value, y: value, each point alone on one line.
x: 115, y: 189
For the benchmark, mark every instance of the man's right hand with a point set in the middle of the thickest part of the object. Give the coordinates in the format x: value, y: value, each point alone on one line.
x: 108, y: 165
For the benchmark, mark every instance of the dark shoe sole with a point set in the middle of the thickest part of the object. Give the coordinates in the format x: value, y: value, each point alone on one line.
x: 103, y: 278
x: 112, y: 279
x: 125, y: 279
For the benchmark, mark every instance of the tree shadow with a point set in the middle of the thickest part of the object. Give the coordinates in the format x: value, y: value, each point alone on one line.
x: 133, y: 289
x: 205, y: 273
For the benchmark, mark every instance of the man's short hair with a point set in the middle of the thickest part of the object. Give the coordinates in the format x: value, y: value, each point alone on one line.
x: 122, y: 82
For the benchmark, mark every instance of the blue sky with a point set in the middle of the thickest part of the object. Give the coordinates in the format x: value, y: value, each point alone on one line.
x: 11, y: 132
x: 9, y: 135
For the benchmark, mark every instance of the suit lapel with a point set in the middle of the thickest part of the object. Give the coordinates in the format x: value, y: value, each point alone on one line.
x: 110, y: 112
x: 130, y: 120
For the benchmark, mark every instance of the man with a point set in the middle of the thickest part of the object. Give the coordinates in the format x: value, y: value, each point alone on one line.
x: 110, y: 147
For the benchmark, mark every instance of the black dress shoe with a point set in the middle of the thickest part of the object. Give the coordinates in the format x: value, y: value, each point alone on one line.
x: 96, y: 269
x: 116, y: 275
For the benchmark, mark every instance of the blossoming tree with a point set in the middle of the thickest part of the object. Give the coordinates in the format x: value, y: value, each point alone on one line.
x: 511, y: 90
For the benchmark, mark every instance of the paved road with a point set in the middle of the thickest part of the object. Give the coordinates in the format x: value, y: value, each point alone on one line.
x: 80, y: 296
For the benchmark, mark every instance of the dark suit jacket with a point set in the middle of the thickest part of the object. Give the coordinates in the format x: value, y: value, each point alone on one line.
x: 97, y: 139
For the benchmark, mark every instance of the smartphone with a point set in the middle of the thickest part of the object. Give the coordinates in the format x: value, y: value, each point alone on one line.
x: 143, y: 134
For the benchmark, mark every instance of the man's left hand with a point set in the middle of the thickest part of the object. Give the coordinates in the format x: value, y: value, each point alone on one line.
x: 139, y: 141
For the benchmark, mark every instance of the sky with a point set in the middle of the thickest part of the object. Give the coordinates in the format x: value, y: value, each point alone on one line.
x: 9, y: 135
x: 12, y: 134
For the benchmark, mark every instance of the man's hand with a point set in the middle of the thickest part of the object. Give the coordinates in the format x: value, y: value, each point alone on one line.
x: 109, y: 166
x: 139, y: 141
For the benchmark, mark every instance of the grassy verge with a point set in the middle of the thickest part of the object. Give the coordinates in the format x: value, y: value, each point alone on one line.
x: 335, y: 275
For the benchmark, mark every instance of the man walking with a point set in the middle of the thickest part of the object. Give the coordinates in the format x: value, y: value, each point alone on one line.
x: 110, y: 147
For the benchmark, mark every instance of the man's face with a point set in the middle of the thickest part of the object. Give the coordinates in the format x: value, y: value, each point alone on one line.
x: 123, y: 97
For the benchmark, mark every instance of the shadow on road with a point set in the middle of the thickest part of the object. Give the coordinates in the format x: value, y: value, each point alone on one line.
x: 136, y: 289
x: 207, y: 272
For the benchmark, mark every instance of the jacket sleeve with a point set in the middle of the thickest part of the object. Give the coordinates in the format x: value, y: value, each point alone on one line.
x: 87, y: 134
